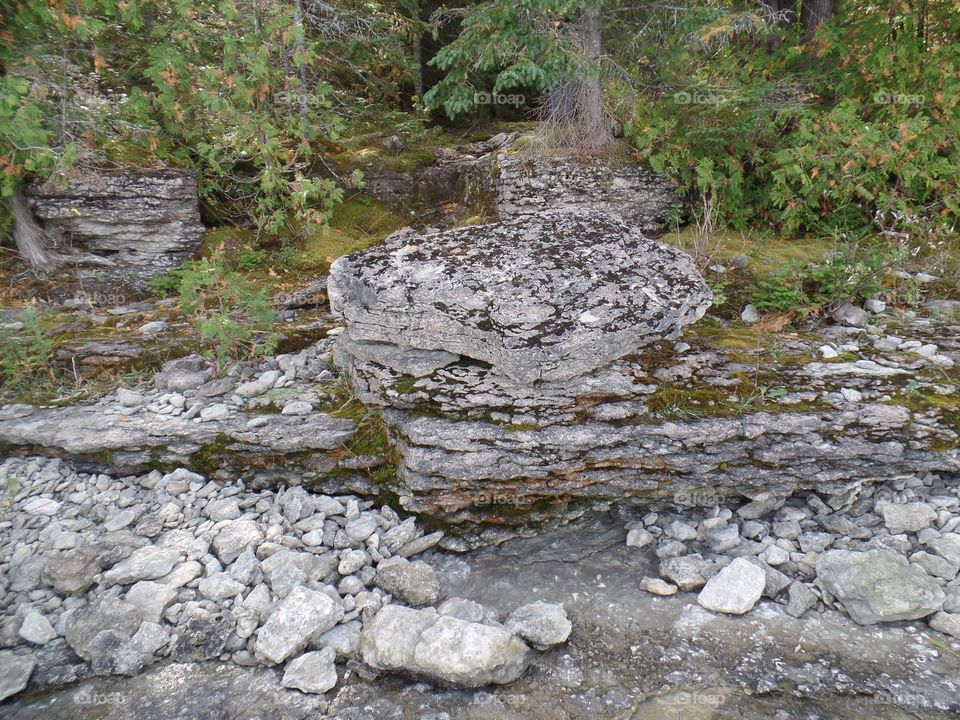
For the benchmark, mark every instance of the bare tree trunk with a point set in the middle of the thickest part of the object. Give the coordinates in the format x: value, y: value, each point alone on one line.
x: 301, y: 51
x: 575, y: 118
x: 29, y: 236
x: 417, y: 65
x: 814, y: 13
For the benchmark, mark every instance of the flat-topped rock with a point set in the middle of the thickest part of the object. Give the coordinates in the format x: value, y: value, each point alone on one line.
x: 544, y: 297
x: 525, y: 184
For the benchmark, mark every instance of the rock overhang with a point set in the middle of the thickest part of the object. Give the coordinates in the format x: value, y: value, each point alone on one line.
x: 544, y: 297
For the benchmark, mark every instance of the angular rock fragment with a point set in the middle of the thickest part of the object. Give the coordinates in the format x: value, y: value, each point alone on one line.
x: 735, y: 589
x: 541, y: 624
x: 878, y: 585
x: 298, y: 618
x: 421, y: 643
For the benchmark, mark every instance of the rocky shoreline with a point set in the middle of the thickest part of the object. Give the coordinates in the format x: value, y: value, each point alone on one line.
x: 106, y: 576
x: 631, y: 651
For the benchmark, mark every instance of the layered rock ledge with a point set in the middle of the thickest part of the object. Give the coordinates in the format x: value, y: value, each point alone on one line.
x: 486, y: 436
x: 139, y: 223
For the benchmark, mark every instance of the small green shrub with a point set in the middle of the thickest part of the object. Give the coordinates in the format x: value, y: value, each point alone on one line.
x: 286, y: 254
x: 250, y: 258
x: 781, y: 293
x: 168, y: 283
x: 854, y: 273
x: 24, y: 353
x: 227, y: 309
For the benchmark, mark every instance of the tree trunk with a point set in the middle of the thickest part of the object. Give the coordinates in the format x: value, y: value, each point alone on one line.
x: 814, y: 13
x: 589, y: 31
x: 417, y: 66
x: 594, y: 122
x: 30, y: 238
x: 300, y: 49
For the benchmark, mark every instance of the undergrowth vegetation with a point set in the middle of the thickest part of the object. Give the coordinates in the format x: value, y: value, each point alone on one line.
x: 231, y: 315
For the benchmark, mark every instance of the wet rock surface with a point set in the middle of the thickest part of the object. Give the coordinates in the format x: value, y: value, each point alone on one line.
x: 630, y: 655
x: 111, y: 575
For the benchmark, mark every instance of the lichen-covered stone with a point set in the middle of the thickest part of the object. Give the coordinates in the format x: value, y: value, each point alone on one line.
x: 525, y: 185
x: 542, y: 298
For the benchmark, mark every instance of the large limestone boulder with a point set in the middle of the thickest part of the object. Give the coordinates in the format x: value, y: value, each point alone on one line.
x: 440, y: 648
x: 878, y: 585
x: 544, y: 297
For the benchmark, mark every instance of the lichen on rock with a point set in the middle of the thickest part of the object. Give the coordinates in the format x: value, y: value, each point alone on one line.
x: 545, y: 297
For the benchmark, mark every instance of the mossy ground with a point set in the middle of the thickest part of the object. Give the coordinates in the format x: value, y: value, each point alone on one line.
x: 366, y: 151
x: 356, y: 224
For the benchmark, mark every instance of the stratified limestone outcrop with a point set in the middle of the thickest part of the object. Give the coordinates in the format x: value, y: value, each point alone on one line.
x: 528, y: 185
x: 505, y: 174
x: 138, y: 224
x: 547, y: 297
x: 500, y: 419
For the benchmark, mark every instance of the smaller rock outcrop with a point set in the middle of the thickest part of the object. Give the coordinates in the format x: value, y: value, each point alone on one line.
x: 134, y: 225
x: 526, y: 185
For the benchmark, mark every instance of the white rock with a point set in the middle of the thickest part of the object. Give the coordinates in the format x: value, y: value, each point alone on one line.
x: 352, y: 562
x: 152, y: 328
x: 218, y: 411
x: 297, y: 619
x: 147, y: 563
x: 541, y: 624
x: 235, y: 537
x: 129, y: 398
x: 735, y: 589
x: 947, y: 623
x: 220, y: 586
x: 297, y: 407
x: 41, y: 506
x: 907, y: 517
x: 36, y: 629
x: 313, y: 672
x: 17, y: 668
x: 151, y: 598
x: 639, y: 538
x: 851, y: 395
